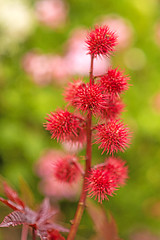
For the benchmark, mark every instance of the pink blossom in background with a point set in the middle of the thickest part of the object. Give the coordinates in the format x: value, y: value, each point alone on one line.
x: 144, y: 234
x: 44, y: 69
x: 50, y: 184
x: 53, y: 13
x: 38, y: 67
x: 156, y: 102
x: 77, y: 57
x: 157, y: 33
x: 45, y: 163
x: 72, y: 147
x: 122, y: 27
x: 59, y: 190
x: 60, y: 69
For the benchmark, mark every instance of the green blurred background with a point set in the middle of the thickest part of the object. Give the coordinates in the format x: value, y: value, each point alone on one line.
x: 24, y: 105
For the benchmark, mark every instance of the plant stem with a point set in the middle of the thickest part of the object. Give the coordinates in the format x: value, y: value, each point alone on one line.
x: 91, y: 71
x: 24, y: 232
x: 82, y: 201
x: 33, y: 234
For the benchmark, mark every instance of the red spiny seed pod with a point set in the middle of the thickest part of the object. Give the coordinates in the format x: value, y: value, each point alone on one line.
x: 114, y: 82
x: 65, y: 126
x: 118, y: 168
x: 101, y: 41
x: 71, y: 90
x: 67, y: 169
x: 100, y: 184
x: 113, y: 136
x: 89, y: 98
x: 114, y: 107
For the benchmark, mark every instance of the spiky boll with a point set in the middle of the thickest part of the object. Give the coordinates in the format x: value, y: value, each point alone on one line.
x: 101, y: 41
x: 58, y: 186
x: 117, y: 167
x: 114, y: 107
x: 113, y: 136
x: 64, y: 125
x: 114, y: 82
x: 71, y: 90
x: 100, y: 184
x: 66, y: 169
x: 89, y: 98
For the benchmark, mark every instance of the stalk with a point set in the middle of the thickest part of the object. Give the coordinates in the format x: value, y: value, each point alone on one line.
x: 91, y: 70
x: 82, y: 201
x: 33, y: 234
x: 24, y: 232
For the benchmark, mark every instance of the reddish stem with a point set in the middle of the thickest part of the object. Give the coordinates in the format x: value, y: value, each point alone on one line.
x: 82, y: 201
x: 24, y: 232
x: 91, y: 70
x: 33, y: 234
x: 98, y: 76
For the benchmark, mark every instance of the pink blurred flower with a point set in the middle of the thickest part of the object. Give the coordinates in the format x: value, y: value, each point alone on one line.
x: 66, y: 169
x: 53, y: 13
x: 60, y: 69
x: 156, y: 102
x: 45, y: 163
x: 157, y: 33
x: 122, y: 27
x: 59, y: 190
x: 38, y: 67
x: 77, y: 57
x: 53, y: 184
x: 44, y: 69
x: 144, y: 234
x: 73, y: 147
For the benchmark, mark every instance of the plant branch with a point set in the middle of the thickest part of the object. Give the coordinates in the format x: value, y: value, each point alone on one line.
x: 33, y: 234
x: 98, y: 76
x: 82, y: 201
x: 91, y: 70
x: 24, y: 232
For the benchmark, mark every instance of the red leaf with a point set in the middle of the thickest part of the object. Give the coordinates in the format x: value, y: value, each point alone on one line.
x: 31, y: 216
x: 59, y: 227
x: 42, y: 234
x: 12, y: 195
x: 43, y: 218
x: 55, y: 235
x: 39, y: 220
x: 13, y: 219
x: 11, y: 204
x: 106, y: 228
x: 44, y: 211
